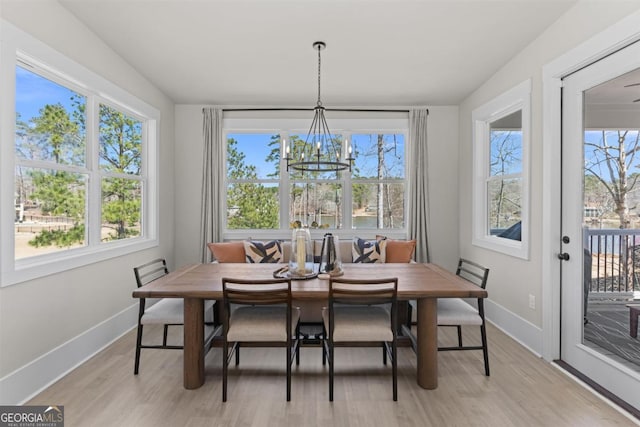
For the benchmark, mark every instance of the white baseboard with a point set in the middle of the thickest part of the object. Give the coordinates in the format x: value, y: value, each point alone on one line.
x: 29, y: 380
x: 521, y: 330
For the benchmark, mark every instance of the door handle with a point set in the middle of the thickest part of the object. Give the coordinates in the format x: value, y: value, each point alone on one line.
x: 563, y: 256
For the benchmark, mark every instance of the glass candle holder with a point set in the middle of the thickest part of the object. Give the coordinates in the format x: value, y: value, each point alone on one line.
x: 301, y: 261
x: 330, y: 260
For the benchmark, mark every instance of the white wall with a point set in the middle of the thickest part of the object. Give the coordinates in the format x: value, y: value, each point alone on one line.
x: 512, y: 280
x: 50, y: 324
x: 443, y: 151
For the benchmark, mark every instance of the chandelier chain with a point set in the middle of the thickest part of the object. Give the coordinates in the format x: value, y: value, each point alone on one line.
x: 319, y: 60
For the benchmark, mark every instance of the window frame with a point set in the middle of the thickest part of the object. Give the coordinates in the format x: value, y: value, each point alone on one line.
x: 20, y: 48
x: 513, y: 100
x: 292, y: 124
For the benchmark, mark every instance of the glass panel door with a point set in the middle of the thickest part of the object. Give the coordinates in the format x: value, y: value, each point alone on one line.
x: 601, y: 222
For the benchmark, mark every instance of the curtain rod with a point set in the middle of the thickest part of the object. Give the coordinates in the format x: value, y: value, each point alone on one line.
x: 326, y: 109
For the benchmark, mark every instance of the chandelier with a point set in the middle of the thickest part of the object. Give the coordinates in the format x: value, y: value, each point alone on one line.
x: 322, y: 150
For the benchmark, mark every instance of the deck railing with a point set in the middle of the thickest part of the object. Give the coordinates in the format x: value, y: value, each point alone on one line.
x: 615, y: 260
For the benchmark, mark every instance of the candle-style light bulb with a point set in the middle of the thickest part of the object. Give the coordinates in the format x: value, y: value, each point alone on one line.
x: 318, y: 146
x: 302, y: 156
x: 349, y: 150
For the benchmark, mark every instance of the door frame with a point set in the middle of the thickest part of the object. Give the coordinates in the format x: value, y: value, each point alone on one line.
x: 604, y: 43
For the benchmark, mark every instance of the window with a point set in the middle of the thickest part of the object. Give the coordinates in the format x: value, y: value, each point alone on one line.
x: 504, y: 183
x: 378, y: 185
x: 500, y: 196
x: 120, y: 157
x: 83, y: 182
x: 253, y: 170
x: 50, y: 174
x: 263, y: 197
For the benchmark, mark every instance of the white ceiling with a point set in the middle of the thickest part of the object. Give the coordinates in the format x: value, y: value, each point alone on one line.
x: 259, y: 52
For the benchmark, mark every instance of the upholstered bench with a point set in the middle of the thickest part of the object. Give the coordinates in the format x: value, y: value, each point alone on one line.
x: 393, y: 251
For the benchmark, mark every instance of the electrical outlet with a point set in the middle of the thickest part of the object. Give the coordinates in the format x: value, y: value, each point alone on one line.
x: 532, y: 302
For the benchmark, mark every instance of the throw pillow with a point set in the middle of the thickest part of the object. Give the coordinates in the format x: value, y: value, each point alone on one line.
x: 227, y: 251
x: 400, y: 250
x: 368, y: 251
x: 263, y: 252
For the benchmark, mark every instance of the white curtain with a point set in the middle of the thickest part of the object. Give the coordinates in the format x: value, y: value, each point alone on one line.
x: 212, y: 181
x: 419, y: 188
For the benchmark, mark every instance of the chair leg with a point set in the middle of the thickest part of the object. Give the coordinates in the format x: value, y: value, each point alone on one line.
x: 212, y: 319
x: 288, y: 373
x: 485, y: 349
x: 237, y: 347
x: 323, y: 342
x: 225, y: 363
x: 384, y: 354
x: 164, y: 335
x: 331, y: 356
x: 138, y: 345
x: 297, y: 344
x: 459, y: 335
x: 394, y: 369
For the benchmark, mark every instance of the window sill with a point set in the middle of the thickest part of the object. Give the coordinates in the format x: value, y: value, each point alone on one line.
x: 514, y: 248
x: 45, y: 265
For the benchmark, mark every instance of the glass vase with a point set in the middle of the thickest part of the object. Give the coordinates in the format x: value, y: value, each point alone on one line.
x: 301, y: 261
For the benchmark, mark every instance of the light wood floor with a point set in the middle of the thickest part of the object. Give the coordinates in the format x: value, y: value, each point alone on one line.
x: 523, y: 390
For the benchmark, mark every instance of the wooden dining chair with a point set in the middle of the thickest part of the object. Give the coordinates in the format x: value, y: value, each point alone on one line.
x: 263, y: 316
x: 166, y: 311
x: 358, y: 315
x: 458, y: 312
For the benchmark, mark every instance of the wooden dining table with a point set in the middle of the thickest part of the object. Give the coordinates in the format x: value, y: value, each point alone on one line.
x: 422, y: 282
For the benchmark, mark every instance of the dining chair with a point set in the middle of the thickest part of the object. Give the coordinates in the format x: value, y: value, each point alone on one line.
x: 457, y: 312
x: 263, y: 316
x: 361, y: 313
x: 166, y: 311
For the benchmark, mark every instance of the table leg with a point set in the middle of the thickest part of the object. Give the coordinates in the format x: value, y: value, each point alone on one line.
x: 633, y: 321
x: 193, y: 343
x: 428, y: 343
